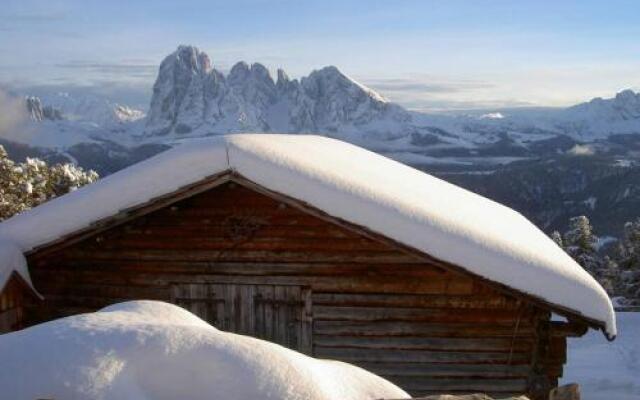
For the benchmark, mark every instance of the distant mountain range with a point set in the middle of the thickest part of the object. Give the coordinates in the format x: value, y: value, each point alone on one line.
x: 598, y: 139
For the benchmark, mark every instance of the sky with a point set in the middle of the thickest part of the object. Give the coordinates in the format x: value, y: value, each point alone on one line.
x: 425, y: 55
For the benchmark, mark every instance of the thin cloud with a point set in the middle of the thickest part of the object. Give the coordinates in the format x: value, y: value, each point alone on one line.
x: 419, y: 85
x: 119, y: 69
x: 39, y: 18
x: 13, y: 115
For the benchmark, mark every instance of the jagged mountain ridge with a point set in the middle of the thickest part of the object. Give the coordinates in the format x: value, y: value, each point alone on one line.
x: 507, y: 155
x: 190, y: 96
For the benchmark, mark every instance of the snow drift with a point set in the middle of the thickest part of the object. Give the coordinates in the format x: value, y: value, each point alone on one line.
x: 147, y: 350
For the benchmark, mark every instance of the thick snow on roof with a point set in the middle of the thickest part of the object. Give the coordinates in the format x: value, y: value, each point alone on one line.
x: 152, y: 350
x: 12, y: 260
x: 351, y: 183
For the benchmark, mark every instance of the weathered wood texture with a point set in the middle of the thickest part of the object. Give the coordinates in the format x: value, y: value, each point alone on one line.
x: 424, y: 327
x: 13, y: 297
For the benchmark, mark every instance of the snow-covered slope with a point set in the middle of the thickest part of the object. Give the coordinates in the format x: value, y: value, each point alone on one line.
x: 59, y: 121
x: 151, y: 350
x: 91, y: 108
x: 600, y: 118
x: 607, y: 370
x: 190, y: 97
x: 353, y: 184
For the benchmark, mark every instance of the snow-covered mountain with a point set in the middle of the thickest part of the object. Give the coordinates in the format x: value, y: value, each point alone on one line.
x: 191, y: 98
x: 38, y: 113
x: 91, y: 108
x: 549, y: 163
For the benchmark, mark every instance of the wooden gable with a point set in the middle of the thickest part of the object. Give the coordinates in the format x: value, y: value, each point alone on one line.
x: 14, y: 296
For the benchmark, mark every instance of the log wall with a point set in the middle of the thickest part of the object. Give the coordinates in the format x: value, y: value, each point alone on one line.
x: 12, y: 302
x: 427, y: 329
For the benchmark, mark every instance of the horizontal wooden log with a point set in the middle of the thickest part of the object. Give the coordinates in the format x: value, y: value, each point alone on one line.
x: 410, y: 314
x: 188, y: 244
x: 361, y: 284
x: 409, y: 300
x: 245, y: 255
x: 421, y: 343
x: 445, y: 385
x: 564, y: 329
x: 419, y: 356
x: 244, y: 268
x: 406, y: 369
x: 216, y: 228
x: 424, y: 329
x: 96, y: 289
x: 420, y: 394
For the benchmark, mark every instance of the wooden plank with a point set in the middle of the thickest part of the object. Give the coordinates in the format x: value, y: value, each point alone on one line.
x: 326, y: 256
x: 406, y: 369
x: 444, y: 385
x: 306, y: 317
x: 419, y: 356
x: 422, y: 343
x: 411, y: 300
x: 360, y: 284
x: 423, y: 329
x: 495, y: 394
x: 196, y: 243
x: 410, y: 314
x: 271, y: 268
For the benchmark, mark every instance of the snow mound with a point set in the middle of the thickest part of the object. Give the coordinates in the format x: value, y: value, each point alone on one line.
x: 353, y: 184
x: 147, y: 350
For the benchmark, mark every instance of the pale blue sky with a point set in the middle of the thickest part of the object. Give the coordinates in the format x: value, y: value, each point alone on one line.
x: 423, y: 54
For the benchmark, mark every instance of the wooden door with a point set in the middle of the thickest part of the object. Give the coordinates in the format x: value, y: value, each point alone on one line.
x: 277, y: 313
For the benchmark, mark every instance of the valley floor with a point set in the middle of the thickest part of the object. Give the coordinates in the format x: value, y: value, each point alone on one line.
x: 607, y: 370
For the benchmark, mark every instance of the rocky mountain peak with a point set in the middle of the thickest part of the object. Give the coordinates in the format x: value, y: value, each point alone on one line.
x: 627, y: 95
x: 38, y: 113
x: 625, y: 106
x: 239, y: 72
x: 190, y: 58
x: 191, y: 95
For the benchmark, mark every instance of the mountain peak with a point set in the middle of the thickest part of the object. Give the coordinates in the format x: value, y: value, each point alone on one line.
x: 38, y: 112
x: 191, y: 58
x: 189, y: 95
x: 627, y: 95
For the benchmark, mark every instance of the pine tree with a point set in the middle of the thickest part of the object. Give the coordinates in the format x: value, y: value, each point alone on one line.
x: 580, y: 242
x: 25, y: 185
x: 557, y: 239
x: 629, y: 261
x: 608, y: 275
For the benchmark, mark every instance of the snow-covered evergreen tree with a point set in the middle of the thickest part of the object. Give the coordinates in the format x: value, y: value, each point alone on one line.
x: 629, y: 261
x: 25, y: 185
x: 608, y: 275
x: 580, y: 242
x: 557, y: 239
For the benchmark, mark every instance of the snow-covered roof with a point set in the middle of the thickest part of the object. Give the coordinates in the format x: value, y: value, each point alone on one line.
x: 12, y: 261
x: 353, y: 184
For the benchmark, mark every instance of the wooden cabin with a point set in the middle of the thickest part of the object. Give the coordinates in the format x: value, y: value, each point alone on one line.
x: 255, y: 253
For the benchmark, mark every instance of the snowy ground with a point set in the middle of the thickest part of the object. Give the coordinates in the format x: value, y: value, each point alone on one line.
x: 143, y: 350
x: 607, y: 370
